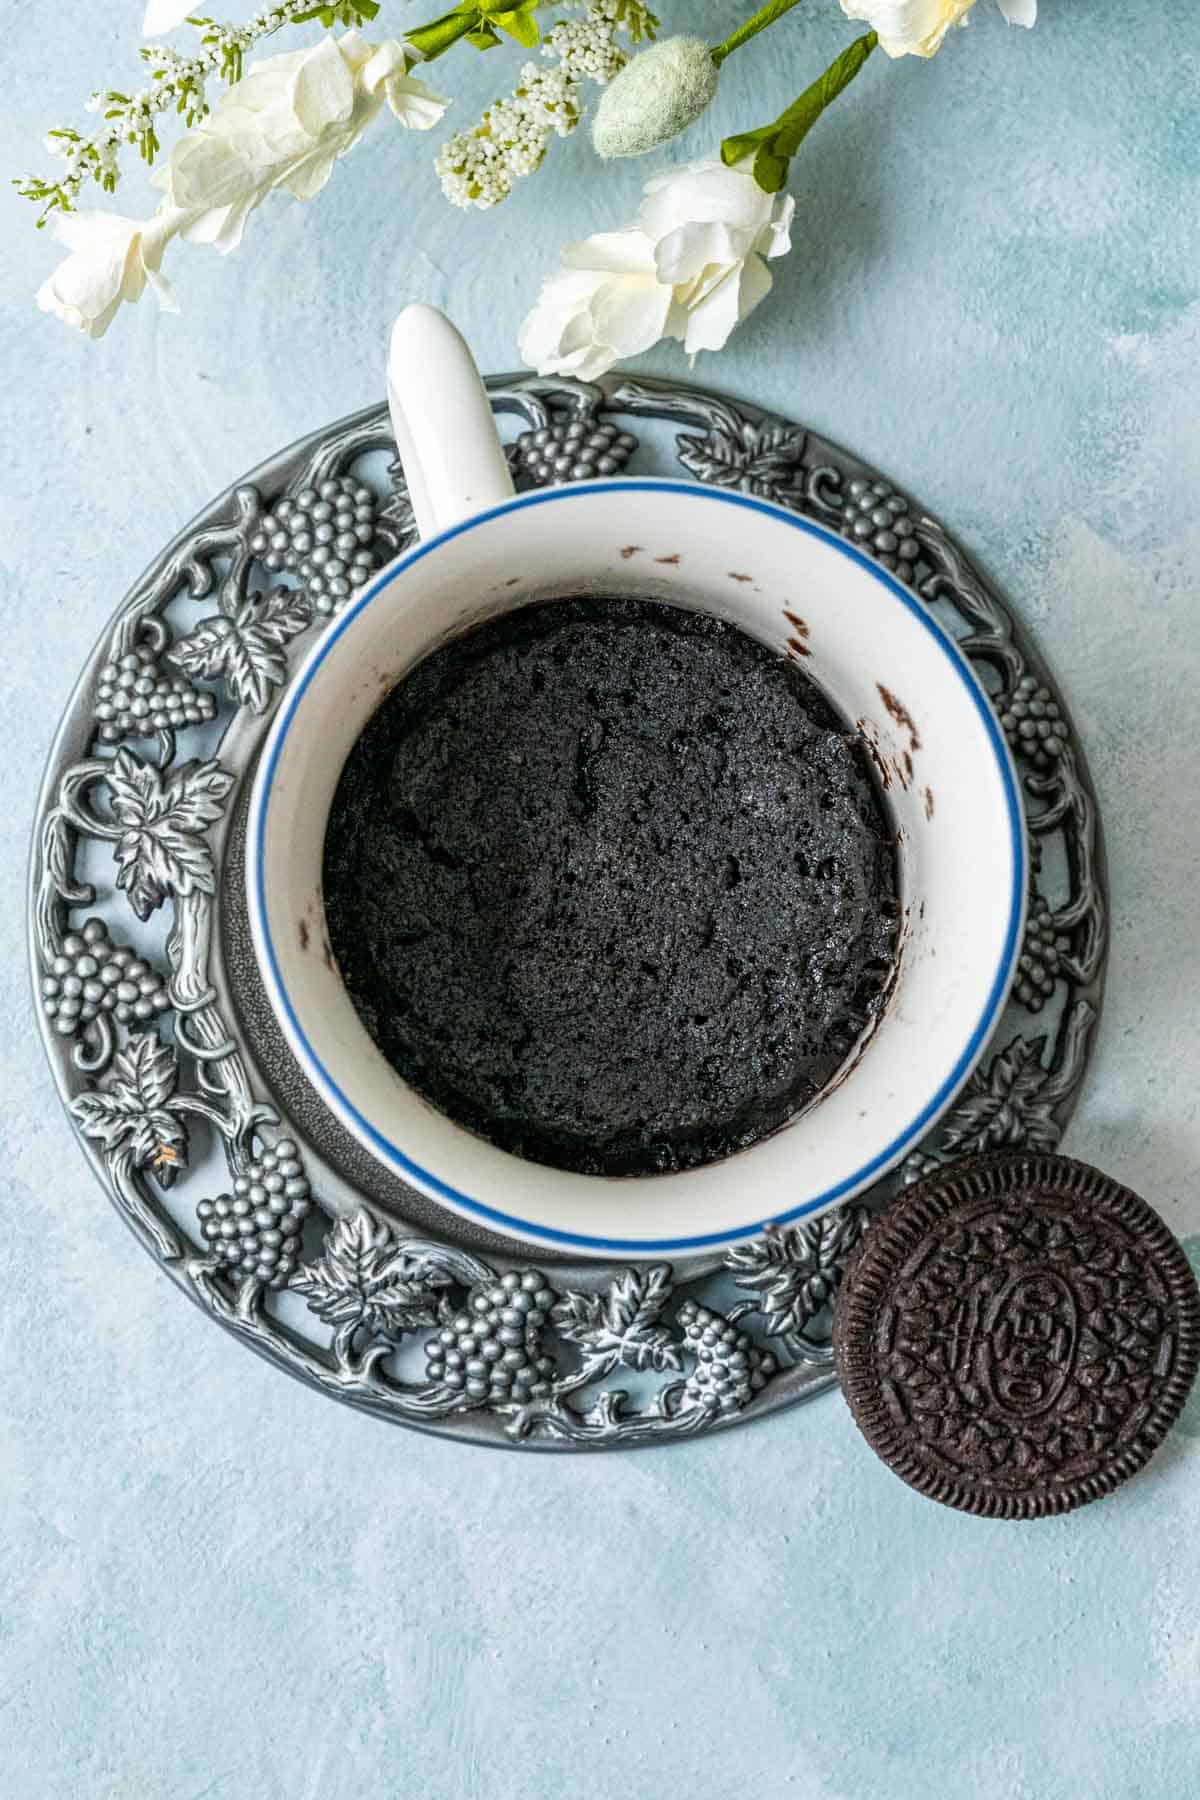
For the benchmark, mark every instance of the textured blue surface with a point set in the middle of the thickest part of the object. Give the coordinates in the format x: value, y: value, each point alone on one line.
x: 217, y: 1584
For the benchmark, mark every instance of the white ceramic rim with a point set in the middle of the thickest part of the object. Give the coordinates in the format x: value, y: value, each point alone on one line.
x: 390, y: 1153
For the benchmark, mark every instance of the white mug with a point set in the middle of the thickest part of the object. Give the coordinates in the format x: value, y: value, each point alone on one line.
x: 866, y: 639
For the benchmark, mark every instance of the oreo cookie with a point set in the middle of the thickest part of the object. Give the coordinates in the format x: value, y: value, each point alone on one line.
x: 1016, y: 1336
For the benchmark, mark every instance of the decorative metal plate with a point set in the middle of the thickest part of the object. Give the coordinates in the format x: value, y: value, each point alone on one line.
x: 211, y: 1144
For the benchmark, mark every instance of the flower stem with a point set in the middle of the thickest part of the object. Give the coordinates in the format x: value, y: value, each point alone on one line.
x: 474, y: 19
x: 436, y: 38
x: 177, y: 84
x: 774, y: 145
x: 766, y: 15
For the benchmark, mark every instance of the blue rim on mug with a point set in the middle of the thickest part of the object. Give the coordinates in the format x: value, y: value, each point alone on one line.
x: 432, y: 1184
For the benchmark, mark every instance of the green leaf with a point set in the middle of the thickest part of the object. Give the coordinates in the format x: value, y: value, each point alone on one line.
x: 520, y: 24
x: 436, y: 37
x: 744, y: 143
x: 775, y: 145
x: 768, y: 14
x: 795, y: 124
x: 342, y: 12
x: 480, y: 22
x: 770, y: 171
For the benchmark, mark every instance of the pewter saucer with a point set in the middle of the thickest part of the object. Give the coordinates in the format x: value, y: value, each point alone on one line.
x: 196, y: 1118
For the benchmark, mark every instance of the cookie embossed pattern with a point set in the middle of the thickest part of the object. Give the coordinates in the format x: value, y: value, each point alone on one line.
x: 226, y: 1165
x: 1017, y: 1336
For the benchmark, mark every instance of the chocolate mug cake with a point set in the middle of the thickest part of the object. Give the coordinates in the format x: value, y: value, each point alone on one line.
x: 612, y: 885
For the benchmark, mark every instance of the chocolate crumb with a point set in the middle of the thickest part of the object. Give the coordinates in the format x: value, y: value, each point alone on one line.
x: 901, y: 714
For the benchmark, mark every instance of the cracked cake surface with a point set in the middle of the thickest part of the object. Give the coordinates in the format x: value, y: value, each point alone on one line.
x: 612, y: 885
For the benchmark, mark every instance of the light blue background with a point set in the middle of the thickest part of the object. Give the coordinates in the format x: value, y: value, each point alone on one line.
x: 214, y: 1583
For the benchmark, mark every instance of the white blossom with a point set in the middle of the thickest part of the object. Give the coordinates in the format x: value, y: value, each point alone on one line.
x: 285, y: 124
x: 549, y: 98
x: 712, y: 227
x: 705, y: 214
x: 605, y: 303
x: 478, y: 167
x: 112, y: 260
x: 587, y: 48
x: 630, y: 16
x: 474, y: 169
x: 917, y: 27
x: 692, y: 268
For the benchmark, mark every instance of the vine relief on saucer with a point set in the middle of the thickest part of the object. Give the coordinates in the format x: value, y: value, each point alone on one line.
x: 162, y: 733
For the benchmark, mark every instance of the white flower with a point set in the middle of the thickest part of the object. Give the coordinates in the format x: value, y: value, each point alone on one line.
x: 164, y: 15
x: 917, y: 27
x: 285, y: 124
x: 478, y: 167
x: 711, y: 227
x: 586, y: 48
x: 412, y: 103
x: 606, y: 303
x: 690, y: 269
x: 549, y: 98
x: 477, y: 170
x: 112, y: 259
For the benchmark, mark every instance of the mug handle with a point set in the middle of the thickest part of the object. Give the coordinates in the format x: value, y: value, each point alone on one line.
x: 442, y: 419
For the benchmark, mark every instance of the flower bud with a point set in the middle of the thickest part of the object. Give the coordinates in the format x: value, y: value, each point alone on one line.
x: 655, y: 97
